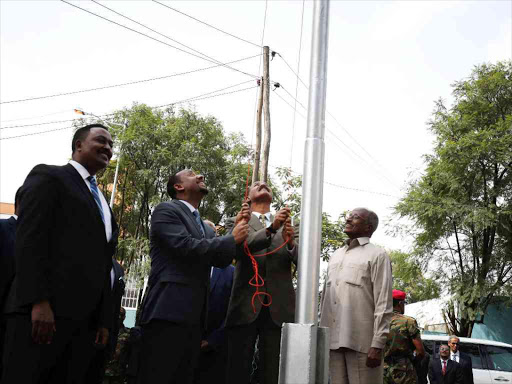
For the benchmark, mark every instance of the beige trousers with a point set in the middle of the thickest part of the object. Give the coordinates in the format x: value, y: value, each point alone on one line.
x: 349, y: 367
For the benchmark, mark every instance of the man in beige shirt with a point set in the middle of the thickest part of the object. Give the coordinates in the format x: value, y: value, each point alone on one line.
x: 357, y: 303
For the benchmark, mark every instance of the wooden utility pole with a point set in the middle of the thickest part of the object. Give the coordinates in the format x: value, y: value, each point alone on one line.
x: 266, y: 108
x: 257, y: 152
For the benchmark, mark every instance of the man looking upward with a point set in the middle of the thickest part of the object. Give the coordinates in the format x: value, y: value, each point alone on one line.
x: 357, y: 303
x: 244, y: 324
x: 183, y: 249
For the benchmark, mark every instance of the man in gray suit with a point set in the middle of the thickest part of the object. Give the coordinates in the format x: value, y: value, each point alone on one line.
x: 251, y: 317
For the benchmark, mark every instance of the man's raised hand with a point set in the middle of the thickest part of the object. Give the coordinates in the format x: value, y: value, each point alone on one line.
x: 244, y: 214
x: 280, y: 218
x: 289, y: 233
x: 240, y: 232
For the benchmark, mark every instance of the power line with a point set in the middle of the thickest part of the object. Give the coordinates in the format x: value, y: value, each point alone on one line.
x: 153, y: 38
x: 127, y: 83
x: 34, y: 117
x: 166, y: 36
x: 380, y: 174
x: 203, y: 96
x: 209, y: 25
x: 334, y: 118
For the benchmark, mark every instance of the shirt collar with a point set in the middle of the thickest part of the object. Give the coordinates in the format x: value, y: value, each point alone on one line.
x: 189, y: 206
x: 454, y: 354
x: 15, y: 217
x: 80, y: 169
x: 258, y: 214
x: 360, y: 240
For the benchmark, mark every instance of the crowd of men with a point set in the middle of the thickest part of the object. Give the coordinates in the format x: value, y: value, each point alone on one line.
x: 200, y: 320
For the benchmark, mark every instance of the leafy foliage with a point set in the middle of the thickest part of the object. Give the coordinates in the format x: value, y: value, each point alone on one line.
x: 408, y: 277
x: 461, y: 206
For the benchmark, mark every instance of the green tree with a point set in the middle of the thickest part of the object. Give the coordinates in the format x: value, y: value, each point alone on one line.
x: 461, y: 207
x: 157, y: 143
x: 408, y: 277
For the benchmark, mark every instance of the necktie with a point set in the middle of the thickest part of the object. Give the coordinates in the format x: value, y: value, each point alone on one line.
x: 263, y: 221
x: 444, y: 367
x: 198, y: 221
x: 96, y: 195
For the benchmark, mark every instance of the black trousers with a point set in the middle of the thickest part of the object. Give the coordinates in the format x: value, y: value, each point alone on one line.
x: 211, y: 368
x: 96, y: 371
x: 64, y: 361
x: 241, y: 340
x: 169, y: 353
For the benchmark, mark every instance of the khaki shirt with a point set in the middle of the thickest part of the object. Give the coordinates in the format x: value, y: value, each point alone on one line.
x: 357, y: 301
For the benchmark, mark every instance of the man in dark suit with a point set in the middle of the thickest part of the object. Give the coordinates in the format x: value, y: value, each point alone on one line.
x: 277, y: 303
x: 96, y: 371
x: 212, y: 361
x: 182, y: 251
x: 463, y: 359
x: 66, y: 236
x: 443, y: 370
x: 7, y: 265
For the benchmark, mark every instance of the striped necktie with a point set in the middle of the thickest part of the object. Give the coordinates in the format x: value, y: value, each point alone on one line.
x: 96, y: 195
x: 263, y: 221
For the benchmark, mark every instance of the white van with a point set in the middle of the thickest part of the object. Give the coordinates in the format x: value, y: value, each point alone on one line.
x: 492, y: 360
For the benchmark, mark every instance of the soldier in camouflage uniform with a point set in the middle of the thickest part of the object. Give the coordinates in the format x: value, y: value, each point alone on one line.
x: 115, y: 372
x: 403, y: 345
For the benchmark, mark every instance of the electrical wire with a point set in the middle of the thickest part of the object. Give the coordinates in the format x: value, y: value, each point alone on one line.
x: 35, y: 117
x: 166, y: 36
x: 153, y: 38
x: 128, y: 83
x: 203, y: 96
x: 205, y: 23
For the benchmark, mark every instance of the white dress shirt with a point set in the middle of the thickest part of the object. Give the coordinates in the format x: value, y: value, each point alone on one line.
x: 106, y: 209
x: 455, y: 356
x: 267, y: 215
x: 189, y: 206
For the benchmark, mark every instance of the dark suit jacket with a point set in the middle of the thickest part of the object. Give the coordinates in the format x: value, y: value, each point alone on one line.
x: 117, y: 295
x: 453, y: 372
x: 275, y: 269
x: 180, y: 265
x: 7, y: 260
x: 62, y: 254
x: 467, y: 367
x: 221, y: 283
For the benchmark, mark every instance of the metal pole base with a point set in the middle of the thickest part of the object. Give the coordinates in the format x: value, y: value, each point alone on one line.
x: 300, y: 344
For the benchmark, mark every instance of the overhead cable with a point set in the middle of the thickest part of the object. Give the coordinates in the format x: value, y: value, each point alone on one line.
x: 166, y: 36
x: 128, y: 83
x: 205, y: 23
x: 203, y: 96
x: 155, y: 39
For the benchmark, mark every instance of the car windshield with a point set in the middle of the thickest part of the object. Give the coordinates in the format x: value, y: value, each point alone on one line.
x: 500, y: 358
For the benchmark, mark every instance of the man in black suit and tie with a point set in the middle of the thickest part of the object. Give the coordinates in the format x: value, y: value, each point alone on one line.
x: 444, y: 370
x: 182, y: 251
x: 65, y: 240
x: 463, y: 359
x: 96, y: 371
x: 245, y: 323
x: 7, y: 265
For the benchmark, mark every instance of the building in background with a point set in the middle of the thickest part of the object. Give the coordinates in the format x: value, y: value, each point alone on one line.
x: 496, y: 324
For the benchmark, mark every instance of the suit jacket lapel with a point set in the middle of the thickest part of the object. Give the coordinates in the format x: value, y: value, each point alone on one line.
x: 255, y: 223
x: 190, y: 216
x: 80, y: 183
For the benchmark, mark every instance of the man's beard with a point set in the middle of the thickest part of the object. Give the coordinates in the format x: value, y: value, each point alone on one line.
x: 204, y: 190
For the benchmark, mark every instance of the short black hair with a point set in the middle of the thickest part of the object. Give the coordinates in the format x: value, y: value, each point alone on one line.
x: 82, y: 133
x: 173, y: 179
x: 17, y: 198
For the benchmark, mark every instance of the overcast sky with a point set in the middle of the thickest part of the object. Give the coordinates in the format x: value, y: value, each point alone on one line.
x: 388, y: 62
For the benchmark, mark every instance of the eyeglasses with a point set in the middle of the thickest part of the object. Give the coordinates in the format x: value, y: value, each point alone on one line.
x: 444, y: 349
x: 454, y: 343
